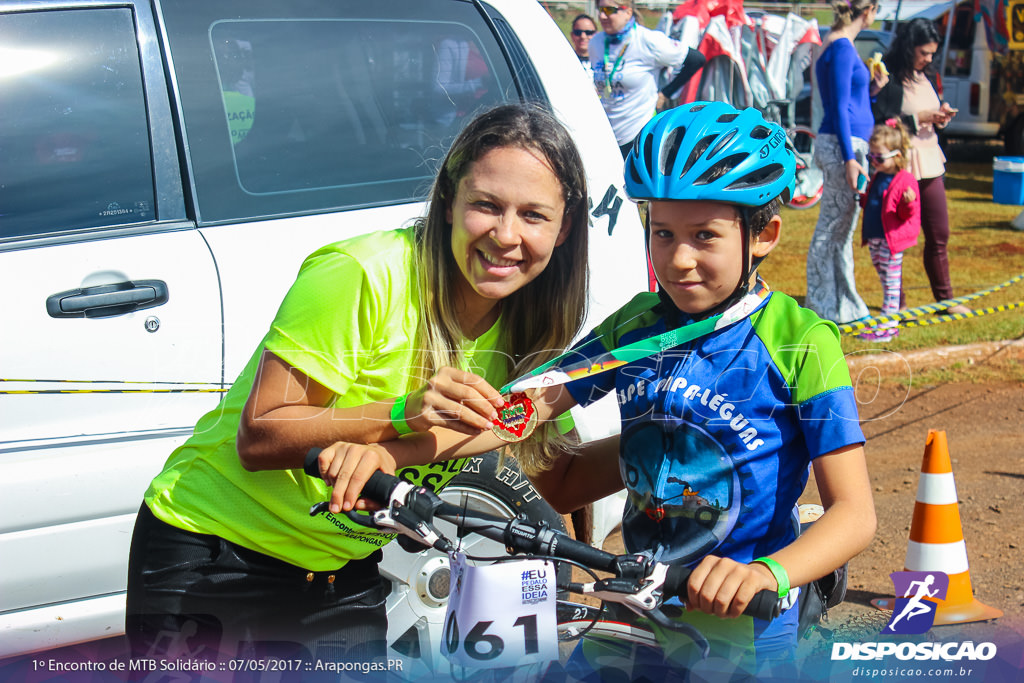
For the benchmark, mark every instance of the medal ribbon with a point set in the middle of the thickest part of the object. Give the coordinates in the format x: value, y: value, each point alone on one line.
x: 617, y: 65
x: 549, y: 374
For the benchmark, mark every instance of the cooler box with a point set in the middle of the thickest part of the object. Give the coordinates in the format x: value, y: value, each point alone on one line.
x: 1008, y: 180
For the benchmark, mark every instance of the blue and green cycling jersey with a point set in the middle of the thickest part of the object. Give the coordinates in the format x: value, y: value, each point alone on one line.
x: 718, y: 433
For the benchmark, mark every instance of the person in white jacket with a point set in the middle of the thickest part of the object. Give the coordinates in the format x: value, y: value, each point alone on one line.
x: 627, y: 59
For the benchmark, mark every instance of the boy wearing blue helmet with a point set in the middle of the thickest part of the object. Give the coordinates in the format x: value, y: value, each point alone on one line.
x: 743, y: 394
x: 718, y: 433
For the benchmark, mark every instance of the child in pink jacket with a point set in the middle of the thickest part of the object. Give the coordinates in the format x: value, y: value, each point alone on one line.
x: 892, y: 216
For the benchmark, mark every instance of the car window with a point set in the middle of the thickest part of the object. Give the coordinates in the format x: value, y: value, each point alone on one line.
x: 74, y: 140
x: 870, y: 44
x: 291, y: 115
x: 962, y: 35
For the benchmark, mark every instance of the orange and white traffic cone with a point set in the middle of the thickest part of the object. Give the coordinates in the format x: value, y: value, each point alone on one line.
x: 937, y: 539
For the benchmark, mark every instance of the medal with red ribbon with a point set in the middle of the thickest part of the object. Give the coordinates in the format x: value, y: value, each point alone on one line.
x: 516, y: 420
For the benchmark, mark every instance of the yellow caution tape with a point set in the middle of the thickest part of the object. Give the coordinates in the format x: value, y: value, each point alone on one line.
x: 909, y: 317
x: 178, y: 387
x: 924, y: 322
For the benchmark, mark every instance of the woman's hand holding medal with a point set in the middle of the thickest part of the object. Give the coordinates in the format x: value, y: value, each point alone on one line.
x: 456, y: 400
x: 452, y: 399
x: 516, y: 420
x: 466, y: 403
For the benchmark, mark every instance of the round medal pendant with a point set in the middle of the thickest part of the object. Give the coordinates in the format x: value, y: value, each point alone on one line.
x: 516, y: 420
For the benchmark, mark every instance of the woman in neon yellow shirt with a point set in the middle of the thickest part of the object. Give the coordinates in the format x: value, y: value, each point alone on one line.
x: 224, y: 553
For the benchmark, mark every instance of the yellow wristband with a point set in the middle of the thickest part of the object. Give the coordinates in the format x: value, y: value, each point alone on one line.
x: 398, y: 416
x: 779, y: 572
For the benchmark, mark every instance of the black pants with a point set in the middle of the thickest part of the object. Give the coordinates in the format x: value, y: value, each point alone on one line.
x: 195, y: 596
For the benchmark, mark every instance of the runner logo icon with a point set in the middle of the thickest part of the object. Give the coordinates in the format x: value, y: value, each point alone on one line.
x: 917, y: 597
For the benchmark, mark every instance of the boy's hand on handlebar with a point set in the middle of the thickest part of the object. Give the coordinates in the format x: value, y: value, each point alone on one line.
x: 456, y: 400
x: 724, y: 587
x: 347, y: 467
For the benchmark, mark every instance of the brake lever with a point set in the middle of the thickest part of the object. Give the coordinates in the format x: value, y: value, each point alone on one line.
x: 644, y: 598
x: 657, y: 617
x: 367, y: 521
x: 416, y: 528
x: 397, y: 518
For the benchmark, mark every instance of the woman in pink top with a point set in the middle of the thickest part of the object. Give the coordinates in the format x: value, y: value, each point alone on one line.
x: 912, y: 97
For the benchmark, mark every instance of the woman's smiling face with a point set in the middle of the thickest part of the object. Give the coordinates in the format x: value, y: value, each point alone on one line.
x: 507, y: 217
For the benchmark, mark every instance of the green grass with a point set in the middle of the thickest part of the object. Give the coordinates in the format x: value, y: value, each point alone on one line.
x: 983, y: 251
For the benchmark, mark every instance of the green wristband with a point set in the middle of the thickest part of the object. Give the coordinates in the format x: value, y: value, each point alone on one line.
x: 779, y: 572
x: 398, y: 416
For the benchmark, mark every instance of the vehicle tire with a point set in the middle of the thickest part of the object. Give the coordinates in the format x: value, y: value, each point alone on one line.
x: 509, y: 484
x: 419, y: 597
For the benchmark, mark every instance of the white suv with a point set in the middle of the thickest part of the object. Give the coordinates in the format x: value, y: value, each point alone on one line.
x: 164, y: 168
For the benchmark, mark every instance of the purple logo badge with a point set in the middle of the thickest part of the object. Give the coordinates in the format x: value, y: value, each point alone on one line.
x: 917, y: 598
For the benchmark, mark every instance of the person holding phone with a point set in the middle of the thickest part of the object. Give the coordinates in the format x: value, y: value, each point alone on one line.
x: 913, y: 96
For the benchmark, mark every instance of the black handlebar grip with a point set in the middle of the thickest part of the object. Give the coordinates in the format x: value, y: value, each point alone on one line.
x: 764, y: 605
x: 379, y: 486
x: 311, y: 466
x: 675, y: 581
x: 562, y: 546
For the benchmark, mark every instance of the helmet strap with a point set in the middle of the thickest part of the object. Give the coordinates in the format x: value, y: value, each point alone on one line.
x: 749, y: 269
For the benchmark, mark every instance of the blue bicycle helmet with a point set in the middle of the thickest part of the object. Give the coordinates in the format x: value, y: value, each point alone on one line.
x: 711, y: 151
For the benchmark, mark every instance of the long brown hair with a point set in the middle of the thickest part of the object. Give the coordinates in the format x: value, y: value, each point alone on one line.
x: 540, y: 320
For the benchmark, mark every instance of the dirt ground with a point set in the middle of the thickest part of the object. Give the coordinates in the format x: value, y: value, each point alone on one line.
x: 983, y: 426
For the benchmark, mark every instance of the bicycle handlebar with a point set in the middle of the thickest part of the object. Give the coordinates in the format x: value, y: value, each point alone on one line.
x: 638, y: 582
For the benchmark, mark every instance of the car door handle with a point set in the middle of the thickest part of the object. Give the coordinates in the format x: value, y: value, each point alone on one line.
x: 104, y: 301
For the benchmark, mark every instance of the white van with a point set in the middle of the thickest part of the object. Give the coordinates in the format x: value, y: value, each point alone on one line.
x: 165, y: 166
